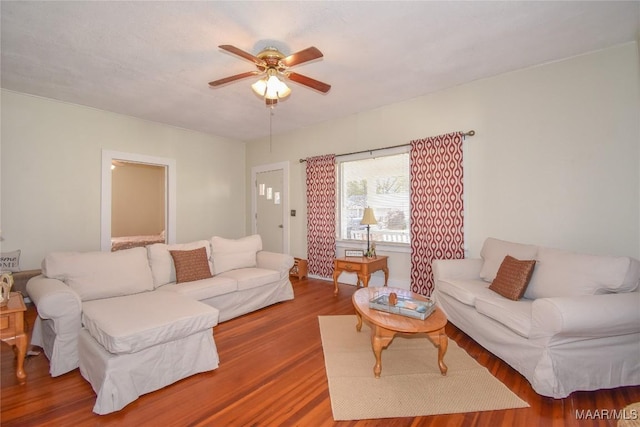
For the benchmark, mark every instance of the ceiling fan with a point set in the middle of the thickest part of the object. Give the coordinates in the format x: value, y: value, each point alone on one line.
x: 272, y: 63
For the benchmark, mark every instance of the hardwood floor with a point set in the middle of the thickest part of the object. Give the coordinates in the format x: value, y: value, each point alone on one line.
x: 272, y: 373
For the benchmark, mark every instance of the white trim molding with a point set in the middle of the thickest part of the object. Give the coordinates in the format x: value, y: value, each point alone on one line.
x: 108, y: 157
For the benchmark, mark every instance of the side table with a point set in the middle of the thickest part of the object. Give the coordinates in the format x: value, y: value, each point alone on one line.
x: 299, y: 268
x: 13, y: 330
x: 362, y: 266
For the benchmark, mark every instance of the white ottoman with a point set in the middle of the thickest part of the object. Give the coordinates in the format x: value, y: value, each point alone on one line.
x: 136, y: 344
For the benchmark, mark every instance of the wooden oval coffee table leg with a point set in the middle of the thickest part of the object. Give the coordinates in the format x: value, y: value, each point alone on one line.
x: 380, y: 339
x: 359, y: 324
x: 440, y: 340
x: 442, y: 349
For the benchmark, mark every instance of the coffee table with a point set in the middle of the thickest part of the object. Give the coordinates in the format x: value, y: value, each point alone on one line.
x: 385, y: 326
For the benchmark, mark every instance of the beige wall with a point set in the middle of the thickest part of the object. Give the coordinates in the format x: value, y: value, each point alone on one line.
x: 51, y: 170
x: 555, y: 160
x: 137, y: 199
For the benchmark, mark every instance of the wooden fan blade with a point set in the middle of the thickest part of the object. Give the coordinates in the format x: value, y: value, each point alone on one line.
x: 308, y: 54
x: 308, y: 81
x: 233, y: 78
x: 242, y: 54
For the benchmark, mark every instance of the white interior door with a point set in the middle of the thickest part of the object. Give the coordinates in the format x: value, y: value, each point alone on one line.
x: 270, y: 206
x: 269, y: 210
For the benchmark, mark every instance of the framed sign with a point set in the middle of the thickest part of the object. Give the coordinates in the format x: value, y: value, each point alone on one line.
x: 354, y: 252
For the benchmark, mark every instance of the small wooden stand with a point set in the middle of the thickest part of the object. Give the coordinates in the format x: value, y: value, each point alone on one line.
x: 13, y: 330
x: 299, y: 268
x: 362, y: 266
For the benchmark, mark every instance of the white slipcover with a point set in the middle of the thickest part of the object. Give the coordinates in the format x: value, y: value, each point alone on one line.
x: 561, y: 344
x: 59, y: 306
x: 95, y: 275
x: 120, y: 379
x: 494, y: 250
x: 132, y: 323
x: 161, y: 262
x: 560, y: 273
x: 231, y: 254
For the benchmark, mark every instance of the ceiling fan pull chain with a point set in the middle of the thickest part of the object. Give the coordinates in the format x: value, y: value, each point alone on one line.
x: 270, y: 126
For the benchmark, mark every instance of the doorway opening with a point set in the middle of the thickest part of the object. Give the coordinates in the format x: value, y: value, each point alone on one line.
x: 138, y: 200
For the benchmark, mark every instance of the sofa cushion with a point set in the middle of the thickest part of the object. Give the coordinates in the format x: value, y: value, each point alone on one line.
x: 203, y: 289
x: 513, y: 277
x: 561, y: 273
x: 191, y: 265
x: 94, y: 275
x: 464, y: 291
x: 132, y: 323
x: 249, y: 278
x: 230, y: 254
x: 632, y: 279
x: 515, y: 315
x: 161, y: 262
x: 493, y: 253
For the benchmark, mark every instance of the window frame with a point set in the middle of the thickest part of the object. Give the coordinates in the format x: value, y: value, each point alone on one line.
x: 349, y: 243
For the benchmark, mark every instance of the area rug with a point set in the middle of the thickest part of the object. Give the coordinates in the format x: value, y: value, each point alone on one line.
x: 410, y: 384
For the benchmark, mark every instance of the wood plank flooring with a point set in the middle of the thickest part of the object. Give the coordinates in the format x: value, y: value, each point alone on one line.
x: 272, y: 374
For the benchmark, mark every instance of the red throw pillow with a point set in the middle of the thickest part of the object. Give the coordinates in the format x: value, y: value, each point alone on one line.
x: 513, y: 277
x: 191, y: 265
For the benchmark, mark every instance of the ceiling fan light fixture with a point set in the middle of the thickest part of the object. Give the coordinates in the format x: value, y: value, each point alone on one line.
x: 276, y: 88
x: 271, y: 87
x: 260, y: 87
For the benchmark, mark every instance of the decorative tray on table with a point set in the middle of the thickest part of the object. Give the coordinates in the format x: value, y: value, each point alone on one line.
x: 402, y: 305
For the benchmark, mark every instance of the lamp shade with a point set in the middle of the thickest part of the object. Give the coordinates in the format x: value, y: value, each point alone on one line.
x: 368, y: 218
x: 260, y: 87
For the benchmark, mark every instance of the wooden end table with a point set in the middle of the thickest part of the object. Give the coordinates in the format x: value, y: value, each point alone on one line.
x: 13, y: 330
x: 385, y: 326
x: 362, y: 266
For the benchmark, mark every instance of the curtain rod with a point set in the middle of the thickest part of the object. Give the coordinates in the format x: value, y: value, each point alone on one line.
x: 470, y: 133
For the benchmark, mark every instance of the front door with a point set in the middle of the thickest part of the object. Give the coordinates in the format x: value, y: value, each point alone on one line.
x: 269, y: 213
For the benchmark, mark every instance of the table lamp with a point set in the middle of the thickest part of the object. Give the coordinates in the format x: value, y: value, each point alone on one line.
x: 368, y: 219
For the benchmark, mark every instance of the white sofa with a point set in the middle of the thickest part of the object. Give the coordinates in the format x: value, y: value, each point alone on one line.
x: 110, y: 313
x: 576, y: 328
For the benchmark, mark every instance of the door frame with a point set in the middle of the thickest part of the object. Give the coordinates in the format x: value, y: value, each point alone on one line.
x: 108, y: 156
x: 284, y: 199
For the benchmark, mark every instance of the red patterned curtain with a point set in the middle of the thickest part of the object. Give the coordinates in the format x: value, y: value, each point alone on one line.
x: 321, y: 214
x: 436, y: 206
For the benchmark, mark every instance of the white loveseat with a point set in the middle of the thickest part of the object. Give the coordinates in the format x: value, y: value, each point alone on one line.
x: 576, y: 328
x: 111, y: 313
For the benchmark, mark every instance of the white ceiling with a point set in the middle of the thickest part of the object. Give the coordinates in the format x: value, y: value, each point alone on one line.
x: 153, y: 60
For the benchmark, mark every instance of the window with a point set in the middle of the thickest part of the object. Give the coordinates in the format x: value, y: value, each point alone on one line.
x: 381, y: 183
